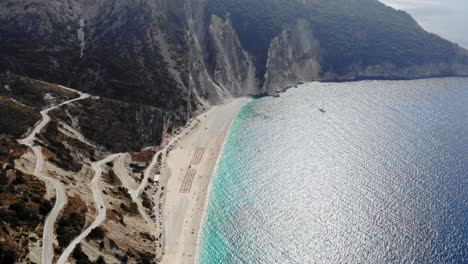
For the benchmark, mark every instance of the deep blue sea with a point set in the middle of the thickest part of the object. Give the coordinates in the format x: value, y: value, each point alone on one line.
x: 381, y: 177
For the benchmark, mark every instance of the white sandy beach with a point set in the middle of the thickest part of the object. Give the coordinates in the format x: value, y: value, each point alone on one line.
x: 187, y: 179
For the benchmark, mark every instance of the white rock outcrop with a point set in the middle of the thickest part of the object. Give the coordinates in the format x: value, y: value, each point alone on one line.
x: 294, y: 57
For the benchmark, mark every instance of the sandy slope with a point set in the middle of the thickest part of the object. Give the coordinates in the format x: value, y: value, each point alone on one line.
x: 187, y: 177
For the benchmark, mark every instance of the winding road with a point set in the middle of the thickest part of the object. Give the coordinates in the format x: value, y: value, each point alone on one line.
x: 100, y: 207
x: 60, y: 201
x: 122, y: 173
x: 119, y: 169
x: 47, y: 255
x: 147, y: 173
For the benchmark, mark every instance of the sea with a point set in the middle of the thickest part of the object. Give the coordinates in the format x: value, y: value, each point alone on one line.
x: 380, y: 175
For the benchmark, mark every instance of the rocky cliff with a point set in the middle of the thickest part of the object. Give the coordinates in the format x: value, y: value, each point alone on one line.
x: 150, y: 65
x: 231, y: 66
x: 180, y: 56
x: 293, y: 57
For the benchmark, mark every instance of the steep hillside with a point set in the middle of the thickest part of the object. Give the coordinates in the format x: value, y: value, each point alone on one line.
x: 116, y: 125
x: 15, y: 118
x: 34, y: 93
x: 61, y: 159
x: 179, y: 55
x: 356, y: 39
x: 39, y: 39
x: 129, y: 53
x: 149, y: 66
x: 23, y: 204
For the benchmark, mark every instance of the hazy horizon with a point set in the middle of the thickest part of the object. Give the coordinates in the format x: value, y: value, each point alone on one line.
x: 445, y: 18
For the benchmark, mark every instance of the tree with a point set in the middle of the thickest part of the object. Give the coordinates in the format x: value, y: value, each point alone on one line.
x: 7, y: 255
x: 100, y: 260
x: 79, y: 256
x: 3, y: 177
x: 97, y: 233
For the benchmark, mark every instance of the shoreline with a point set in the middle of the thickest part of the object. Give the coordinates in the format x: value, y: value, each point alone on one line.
x: 210, y: 186
x: 187, y: 177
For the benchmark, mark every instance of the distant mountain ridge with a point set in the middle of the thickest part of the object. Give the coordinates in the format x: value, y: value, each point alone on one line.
x: 181, y: 55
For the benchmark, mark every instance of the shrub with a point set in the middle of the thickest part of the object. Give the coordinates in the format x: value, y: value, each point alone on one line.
x: 100, y: 260
x: 69, y: 227
x: 16, y: 119
x: 112, y: 176
x: 7, y: 254
x: 80, y: 256
x: 19, y: 178
x: 133, y: 209
x: 45, y: 207
x: 97, y: 233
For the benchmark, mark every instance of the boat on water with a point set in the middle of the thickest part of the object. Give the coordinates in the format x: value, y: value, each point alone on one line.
x: 322, y: 110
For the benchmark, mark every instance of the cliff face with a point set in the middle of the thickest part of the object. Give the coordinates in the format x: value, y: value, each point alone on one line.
x: 293, y: 57
x: 154, y: 64
x: 232, y: 67
x: 178, y: 56
x: 352, y: 40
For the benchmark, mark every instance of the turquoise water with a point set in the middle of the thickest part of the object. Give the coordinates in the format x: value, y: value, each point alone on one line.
x: 381, y: 177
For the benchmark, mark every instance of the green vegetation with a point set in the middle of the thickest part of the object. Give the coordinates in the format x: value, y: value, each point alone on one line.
x: 15, y: 118
x: 146, y: 201
x: 113, y: 245
x: 132, y: 209
x: 97, y: 233
x: 7, y: 254
x: 55, y: 143
x: 72, y: 221
x: 100, y: 260
x: 146, y: 258
x: 22, y: 206
x: 112, y: 177
x: 122, y: 191
x: 69, y: 227
x: 30, y: 92
x: 120, y: 216
x: 123, y: 77
x: 79, y: 256
x: 10, y: 150
x: 117, y: 125
x: 137, y: 168
x: 146, y: 236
